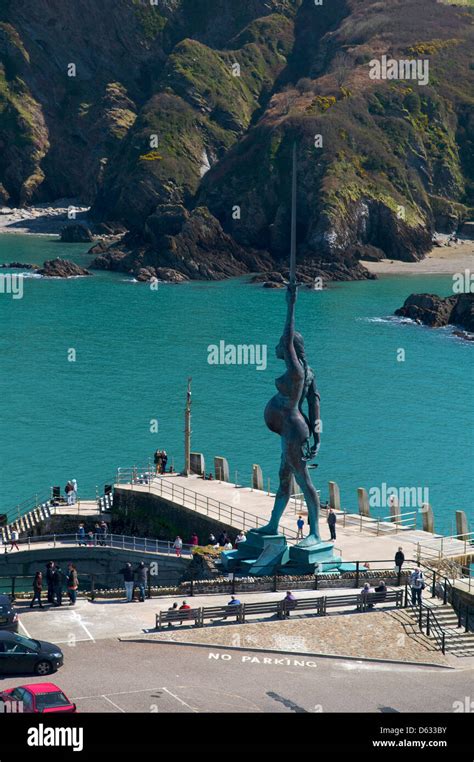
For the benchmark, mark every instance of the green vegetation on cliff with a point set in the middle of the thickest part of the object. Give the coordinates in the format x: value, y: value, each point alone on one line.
x: 196, y: 104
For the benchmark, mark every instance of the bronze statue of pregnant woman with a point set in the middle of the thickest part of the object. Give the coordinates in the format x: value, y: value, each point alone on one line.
x: 299, y: 431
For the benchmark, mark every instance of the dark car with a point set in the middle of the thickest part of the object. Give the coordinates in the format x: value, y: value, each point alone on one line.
x: 24, y: 655
x: 8, y: 615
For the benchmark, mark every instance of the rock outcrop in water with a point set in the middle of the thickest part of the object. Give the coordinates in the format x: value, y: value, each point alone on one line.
x: 437, y: 311
x: 61, y: 268
x: 76, y: 234
x: 179, y: 118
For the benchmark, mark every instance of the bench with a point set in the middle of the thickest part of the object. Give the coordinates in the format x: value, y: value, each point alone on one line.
x: 336, y: 601
x: 363, y: 602
x: 302, y: 604
x: 221, y: 612
x: 269, y: 607
x: 390, y: 596
x: 178, y: 617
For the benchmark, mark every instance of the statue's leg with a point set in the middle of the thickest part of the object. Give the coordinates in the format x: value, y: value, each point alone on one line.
x: 311, y: 497
x: 281, y: 499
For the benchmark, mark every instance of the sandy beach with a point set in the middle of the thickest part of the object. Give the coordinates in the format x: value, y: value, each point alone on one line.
x: 441, y: 259
x: 44, y: 219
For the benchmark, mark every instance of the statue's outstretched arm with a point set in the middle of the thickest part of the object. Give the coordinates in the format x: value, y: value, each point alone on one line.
x: 291, y: 357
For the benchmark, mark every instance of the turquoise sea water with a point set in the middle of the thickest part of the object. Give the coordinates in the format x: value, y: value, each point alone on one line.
x: 405, y: 424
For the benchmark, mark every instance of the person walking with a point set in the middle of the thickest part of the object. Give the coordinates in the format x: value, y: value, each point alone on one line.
x: 142, y: 579
x: 399, y: 559
x: 300, y: 526
x: 164, y: 461
x: 58, y: 580
x: 72, y: 584
x: 37, y: 588
x: 127, y: 572
x: 178, y: 546
x: 194, y: 539
x: 74, y: 492
x: 81, y: 535
x: 14, y: 536
x: 417, y: 584
x: 332, y: 519
x: 50, y: 580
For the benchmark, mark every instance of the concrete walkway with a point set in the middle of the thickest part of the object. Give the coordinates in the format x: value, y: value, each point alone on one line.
x: 244, y: 508
x: 106, y: 618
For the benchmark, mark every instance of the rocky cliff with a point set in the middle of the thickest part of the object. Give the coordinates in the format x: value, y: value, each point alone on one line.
x: 176, y: 119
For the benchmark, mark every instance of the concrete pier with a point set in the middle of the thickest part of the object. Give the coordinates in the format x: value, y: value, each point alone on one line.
x: 358, y: 538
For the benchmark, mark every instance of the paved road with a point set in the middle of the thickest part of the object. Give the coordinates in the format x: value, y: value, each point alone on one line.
x: 113, y: 676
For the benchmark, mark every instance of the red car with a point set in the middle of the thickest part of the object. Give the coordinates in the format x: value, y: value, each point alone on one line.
x: 38, y: 698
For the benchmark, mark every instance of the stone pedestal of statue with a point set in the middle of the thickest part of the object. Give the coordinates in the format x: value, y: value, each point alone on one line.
x: 259, y: 555
x: 269, y: 554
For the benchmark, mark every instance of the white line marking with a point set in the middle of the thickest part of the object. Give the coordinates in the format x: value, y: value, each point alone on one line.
x: 119, y: 693
x: 24, y: 628
x: 115, y: 705
x: 78, y: 618
x: 180, y: 700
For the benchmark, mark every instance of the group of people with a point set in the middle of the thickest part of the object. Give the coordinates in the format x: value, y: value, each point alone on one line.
x: 96, y: 537
x: 224, y: 541
x: 70, y: 491
x: 132, y: 578
x: 331, y: 522
x: 55, y: 579
x: 160, y: 459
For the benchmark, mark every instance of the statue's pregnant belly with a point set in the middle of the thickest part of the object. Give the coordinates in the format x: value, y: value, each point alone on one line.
x: 282, y: 418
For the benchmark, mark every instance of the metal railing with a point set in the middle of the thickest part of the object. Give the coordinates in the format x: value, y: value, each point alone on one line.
x: 98, y: 540
x: 223, y: 512
x: 427, y: 621
x: 158, y: 585
x: 458, y: 544
x: 392, y: 523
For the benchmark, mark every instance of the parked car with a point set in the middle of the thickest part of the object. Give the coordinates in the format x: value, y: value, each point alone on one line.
x: 8, y: 615
x: 19, y: 654
x: 39, y: 698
